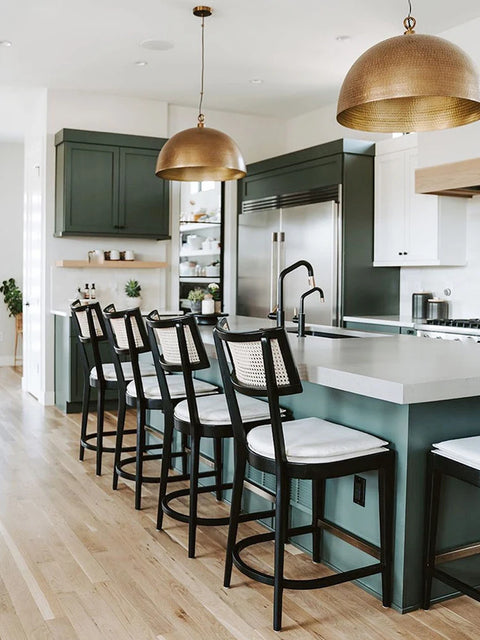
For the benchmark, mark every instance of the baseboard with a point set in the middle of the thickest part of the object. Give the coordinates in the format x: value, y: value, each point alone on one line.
x: 6, y: 361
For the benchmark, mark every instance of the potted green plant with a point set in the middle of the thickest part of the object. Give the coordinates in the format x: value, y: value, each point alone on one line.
x: 132, y: 291
x: 214, y: 289
x: 12, y: 296
x: 196, y: 296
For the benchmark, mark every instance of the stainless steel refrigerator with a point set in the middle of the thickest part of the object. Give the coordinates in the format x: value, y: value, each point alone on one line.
x: 269, y: 240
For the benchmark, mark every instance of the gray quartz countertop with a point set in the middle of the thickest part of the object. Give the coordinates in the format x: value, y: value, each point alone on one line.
x: 394, y: 321
x: 396, y: 368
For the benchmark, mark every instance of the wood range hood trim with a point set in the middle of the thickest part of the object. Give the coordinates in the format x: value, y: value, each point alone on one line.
x: 459, y: 179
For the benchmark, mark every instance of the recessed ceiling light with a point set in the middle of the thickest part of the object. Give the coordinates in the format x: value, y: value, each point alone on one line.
x: 342, y: 38
x: 140, y: 63
x: 5, y: 43
x: 256, y: 81
x: 157, y: 45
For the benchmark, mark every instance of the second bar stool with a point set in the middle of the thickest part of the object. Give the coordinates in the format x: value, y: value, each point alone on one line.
x: 177, y: 346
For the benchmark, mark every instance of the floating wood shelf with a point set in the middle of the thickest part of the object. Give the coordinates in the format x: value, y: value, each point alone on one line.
x: 110, y: 264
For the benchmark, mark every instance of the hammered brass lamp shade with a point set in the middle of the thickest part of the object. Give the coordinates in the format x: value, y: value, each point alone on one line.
x: 412, y: 82
x: 200, y: 153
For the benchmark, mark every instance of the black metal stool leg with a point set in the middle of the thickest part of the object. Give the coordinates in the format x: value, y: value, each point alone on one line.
x: 183, y: 444
x: 122, y: 409
x: 100, y: 420
x: 217, y: 451
x: 192, y: 520
x: 433, y: 504
x: 237, y: 491
x: 318, y: 509
x: 166, y: 463
x: 139, y: 455
x: 85, y: 407
x: 281, y: 525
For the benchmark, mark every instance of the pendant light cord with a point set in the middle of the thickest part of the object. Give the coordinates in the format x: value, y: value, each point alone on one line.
x: 409, y: 22
x: 201, y: 117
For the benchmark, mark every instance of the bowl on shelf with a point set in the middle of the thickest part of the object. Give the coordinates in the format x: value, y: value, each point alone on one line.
x: 212, y: 270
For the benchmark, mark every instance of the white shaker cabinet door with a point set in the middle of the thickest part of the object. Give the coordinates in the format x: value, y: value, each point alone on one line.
x: 414, y: 229
x: 389, y: 241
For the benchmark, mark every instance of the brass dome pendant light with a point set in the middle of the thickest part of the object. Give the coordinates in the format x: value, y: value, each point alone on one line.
x: 410, y: 83
x: 200, y: 153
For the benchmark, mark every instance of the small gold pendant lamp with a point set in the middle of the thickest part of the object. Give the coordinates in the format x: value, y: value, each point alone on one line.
x: 410, y: 83
x: 200, y: 153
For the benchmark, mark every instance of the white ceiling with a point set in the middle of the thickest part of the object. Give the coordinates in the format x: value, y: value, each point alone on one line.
x: 291, y: 46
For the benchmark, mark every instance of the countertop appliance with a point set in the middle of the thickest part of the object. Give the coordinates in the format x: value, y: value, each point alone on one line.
x: 270, y: 240
x: 461, y: 330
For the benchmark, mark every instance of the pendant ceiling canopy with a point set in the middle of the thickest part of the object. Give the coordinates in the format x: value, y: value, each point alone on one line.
x: 409, y: 83
x: 200, y: 153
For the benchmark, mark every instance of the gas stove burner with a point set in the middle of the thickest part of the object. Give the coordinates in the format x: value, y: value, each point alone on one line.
x: 470, y: 323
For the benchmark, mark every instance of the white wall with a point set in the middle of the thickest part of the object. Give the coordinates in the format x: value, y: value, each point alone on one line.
x: 11, y: 221
x: 319, y: 126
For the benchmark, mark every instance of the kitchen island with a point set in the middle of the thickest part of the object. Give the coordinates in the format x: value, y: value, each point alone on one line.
x: 409, y: 391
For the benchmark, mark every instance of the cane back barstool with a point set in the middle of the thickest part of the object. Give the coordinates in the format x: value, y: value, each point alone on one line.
x: 128, y: 336
x: 460, y: 459
x: 177, y: 346
x: 91, y: 330
x: 308, y: 449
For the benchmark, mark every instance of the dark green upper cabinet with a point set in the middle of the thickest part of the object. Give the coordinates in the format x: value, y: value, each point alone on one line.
x: 143, y: 196
x: 106, y: 186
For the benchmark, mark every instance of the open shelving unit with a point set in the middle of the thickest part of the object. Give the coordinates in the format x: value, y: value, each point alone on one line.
x: 205, y: 199
x: 110, y: 264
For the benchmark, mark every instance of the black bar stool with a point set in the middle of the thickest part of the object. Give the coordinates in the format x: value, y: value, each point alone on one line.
x: 177, y: 346
x: 100, y: 375
x: 128, y: 336
x: 309, y: 449
x: 458, y: 459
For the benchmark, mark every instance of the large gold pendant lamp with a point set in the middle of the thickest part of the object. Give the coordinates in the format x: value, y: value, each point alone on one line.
x: 200, y: 153
x: 410, y: 83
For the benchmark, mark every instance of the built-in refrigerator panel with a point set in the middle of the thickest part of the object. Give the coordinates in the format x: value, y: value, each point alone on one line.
x: 269, y: 240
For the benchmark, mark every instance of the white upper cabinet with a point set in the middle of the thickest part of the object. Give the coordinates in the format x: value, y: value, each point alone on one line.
x: 413, y: 229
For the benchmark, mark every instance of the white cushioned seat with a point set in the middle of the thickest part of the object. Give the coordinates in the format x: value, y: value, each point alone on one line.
x: 146, y: 369
x: 214, y: 410
x: 313, y: 440
x: 176, y: 385
x: 463, y: 450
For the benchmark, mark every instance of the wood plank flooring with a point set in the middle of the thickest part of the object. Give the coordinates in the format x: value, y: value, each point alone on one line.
x: 78, y: 562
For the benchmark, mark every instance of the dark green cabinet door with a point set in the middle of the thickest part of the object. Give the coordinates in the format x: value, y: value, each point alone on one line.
x: 91, y: 188
x: 144, y: 209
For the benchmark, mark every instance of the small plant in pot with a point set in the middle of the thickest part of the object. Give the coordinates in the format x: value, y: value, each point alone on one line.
x: 132, y: 291
x: 12, y: 296
x: 214, y: 289
x: 196, y: 296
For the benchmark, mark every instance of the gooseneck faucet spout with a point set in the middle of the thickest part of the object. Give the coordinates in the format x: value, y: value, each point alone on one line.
x: 301, y: 315
x: 281, y: 278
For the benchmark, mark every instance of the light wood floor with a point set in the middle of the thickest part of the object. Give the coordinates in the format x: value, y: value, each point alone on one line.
x: 77, y: 561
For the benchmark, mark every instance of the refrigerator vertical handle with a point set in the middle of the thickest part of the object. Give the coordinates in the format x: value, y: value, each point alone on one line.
x: 273, y: 270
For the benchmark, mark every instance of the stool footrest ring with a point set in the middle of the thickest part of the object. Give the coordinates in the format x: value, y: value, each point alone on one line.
x: 288, y: 583
x: 93, y: 436
x: 184, y: 517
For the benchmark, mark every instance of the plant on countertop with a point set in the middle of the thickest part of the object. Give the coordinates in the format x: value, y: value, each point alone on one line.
x: 196, y: 295
x: 12, y: 296
x: 214, y: 290
x: 133, y: 288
